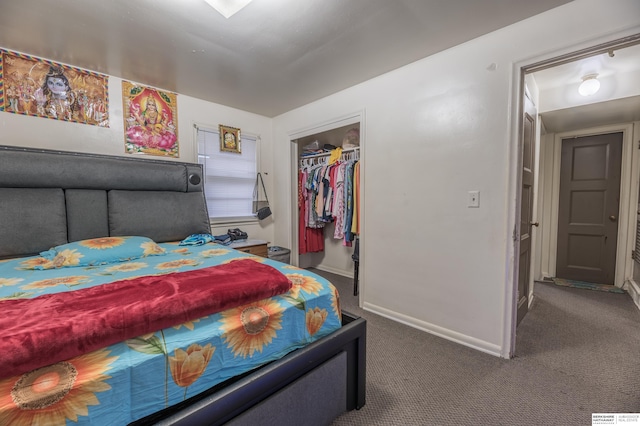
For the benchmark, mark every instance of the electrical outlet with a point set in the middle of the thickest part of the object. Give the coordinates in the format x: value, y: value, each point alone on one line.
x: 473, y: 199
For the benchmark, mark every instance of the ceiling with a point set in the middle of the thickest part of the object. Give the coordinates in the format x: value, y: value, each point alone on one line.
x: 616, y: 111
x: 618, y: 100
x: 269, y: 58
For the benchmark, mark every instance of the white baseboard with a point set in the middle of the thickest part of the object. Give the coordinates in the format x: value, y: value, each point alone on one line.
x: 633, y: 289
x: 472, y: 342
x: 348, y: 274
x: 531, y: 299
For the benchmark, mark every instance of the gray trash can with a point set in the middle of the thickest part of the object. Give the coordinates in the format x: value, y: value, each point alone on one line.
x: 280, y: 254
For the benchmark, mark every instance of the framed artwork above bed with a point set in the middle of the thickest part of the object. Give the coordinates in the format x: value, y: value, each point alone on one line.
x: 150, y: 120
x: 41, y: 88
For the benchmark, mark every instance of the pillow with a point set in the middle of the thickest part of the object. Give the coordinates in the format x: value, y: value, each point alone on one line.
x: 98, y: 251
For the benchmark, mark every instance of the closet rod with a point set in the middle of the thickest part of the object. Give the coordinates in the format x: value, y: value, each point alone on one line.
x: 326, y: 154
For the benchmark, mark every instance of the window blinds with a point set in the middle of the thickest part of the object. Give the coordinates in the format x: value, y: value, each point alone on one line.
x: 229, y: 178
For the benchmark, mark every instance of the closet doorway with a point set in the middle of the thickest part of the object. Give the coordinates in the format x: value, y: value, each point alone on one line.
x: 328, y: 248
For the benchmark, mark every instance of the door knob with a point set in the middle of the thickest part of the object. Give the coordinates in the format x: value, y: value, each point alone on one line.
x: 534, y: 223
x: 612, y: 218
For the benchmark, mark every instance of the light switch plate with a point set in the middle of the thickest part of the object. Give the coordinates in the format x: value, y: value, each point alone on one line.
x: 473, y: 199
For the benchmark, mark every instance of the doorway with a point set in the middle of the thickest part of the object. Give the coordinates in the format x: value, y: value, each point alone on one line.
x: 544, y: 259
x: 553, y: 247
x: 335, y: 257
x: 589, y: 208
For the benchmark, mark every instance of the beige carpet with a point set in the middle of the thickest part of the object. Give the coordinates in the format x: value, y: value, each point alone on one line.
x: 578, y: 352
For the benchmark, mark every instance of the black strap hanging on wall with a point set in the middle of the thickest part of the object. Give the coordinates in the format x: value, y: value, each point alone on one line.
x: 260, y: 208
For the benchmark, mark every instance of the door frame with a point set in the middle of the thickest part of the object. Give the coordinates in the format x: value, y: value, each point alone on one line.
x: 628, y: 196
x: 294, y: 155
x: 519, y: 70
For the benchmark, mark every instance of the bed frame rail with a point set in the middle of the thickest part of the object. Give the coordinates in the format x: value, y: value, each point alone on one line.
x: 252, y: 389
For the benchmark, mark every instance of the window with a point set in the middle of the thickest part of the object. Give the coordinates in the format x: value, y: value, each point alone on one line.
x: 229, y: 178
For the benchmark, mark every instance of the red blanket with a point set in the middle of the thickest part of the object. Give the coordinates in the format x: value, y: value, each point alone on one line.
x: 55, y: 327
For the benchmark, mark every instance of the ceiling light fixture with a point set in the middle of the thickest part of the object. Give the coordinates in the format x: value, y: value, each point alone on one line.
x: 590, y: 85
x: 227, y: 8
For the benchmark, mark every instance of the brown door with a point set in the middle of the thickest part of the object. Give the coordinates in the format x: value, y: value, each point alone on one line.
x: 588, y: 208
x: 526, y: 206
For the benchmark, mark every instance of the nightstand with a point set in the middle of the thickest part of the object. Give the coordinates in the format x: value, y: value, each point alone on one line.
x: 257, y: 247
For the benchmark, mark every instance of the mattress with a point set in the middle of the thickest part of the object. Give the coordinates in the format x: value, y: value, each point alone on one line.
x: 128, y: 380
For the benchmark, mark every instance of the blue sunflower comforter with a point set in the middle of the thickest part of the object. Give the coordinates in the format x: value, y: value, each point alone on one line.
x: 131, y: 379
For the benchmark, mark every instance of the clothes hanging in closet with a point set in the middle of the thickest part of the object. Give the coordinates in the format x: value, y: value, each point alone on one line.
x: 328, y: 193
x: 311, y: 240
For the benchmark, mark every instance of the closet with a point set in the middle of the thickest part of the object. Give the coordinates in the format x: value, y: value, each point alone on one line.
x: 328, y: 200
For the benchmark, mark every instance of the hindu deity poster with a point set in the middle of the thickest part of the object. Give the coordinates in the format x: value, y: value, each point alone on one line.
x: 42, y: 88
x: 150, y: 120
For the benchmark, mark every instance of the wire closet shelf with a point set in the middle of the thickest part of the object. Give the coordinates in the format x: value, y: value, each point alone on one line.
x: 348, y: 154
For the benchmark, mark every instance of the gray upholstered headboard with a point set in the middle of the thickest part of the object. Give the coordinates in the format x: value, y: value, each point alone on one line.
x: 51, y: 197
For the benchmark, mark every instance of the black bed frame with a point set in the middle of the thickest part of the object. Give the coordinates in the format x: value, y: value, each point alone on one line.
x: 234, y: 397
x: 329, y: 374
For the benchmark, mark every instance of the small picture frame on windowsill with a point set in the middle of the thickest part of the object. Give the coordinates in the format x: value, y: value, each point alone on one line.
x: 230, y: 139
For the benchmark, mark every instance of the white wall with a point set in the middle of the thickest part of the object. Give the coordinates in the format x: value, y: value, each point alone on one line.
x: 433, y: 131
x: 19, y: 130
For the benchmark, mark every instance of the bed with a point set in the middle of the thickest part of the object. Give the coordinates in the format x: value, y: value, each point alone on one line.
x: 112, y: 314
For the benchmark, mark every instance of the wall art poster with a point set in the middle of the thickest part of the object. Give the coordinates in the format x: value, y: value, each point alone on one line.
x: 150, y: 120
x: 230, y: 139
x: 42, y: 88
